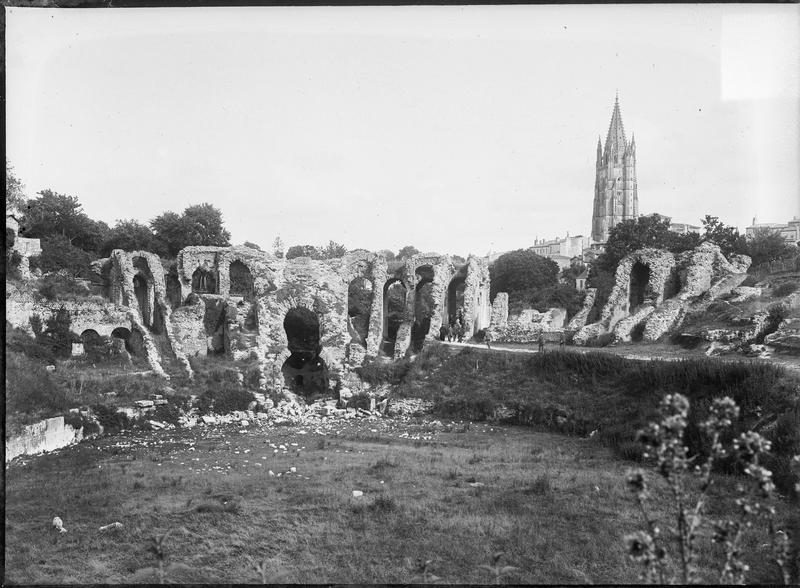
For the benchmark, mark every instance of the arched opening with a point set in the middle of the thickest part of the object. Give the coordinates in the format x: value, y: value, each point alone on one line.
x: 394, y: 307
x: 423, y: 306
x: 204, y: 281
x: 133, y: 344
x: 173, y: 287
x: 91, y: 339
x: 455, y: 300
x: 359, y: 304
x: 214, y: 323
x: 140, y: 290
x: 242, y: 283
x: 640, y: 276
x: 304, y: 371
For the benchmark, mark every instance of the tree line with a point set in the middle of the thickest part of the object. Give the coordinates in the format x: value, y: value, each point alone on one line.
x: 71, y: 240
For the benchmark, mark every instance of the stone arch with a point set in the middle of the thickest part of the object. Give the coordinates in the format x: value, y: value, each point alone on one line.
x: 360, y: 292
x: 241, y: 280
x: 173, y: 288
x: 304, y: 371
x: 90, y: 338
x: 424, y: 305
x: 394, y: 308
x: 637, y: 288
x: 140, y: 290
x: 204, y: 281
x: 455, y: 300
x: 134, y: 342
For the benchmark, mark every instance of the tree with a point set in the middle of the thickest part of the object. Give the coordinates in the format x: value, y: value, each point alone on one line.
x: 15, y: 190
x: 129, y: 235
x: 205, y: 227
x: 200, y: 224
x: 521, y: 270
x: 767, y: 245
x: 407, y: 252
x: 302, y: 251
x: 728, y: 238
x: 52, y: 213
x: 278, y: 247
x: 252, y: 246
x: 333, y: 250
x: 576, y: 268
x: 387, y: 253
x: 59, y: 254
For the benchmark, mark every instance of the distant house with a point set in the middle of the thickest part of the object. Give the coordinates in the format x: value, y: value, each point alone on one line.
x: 580, y: 281
x: 789, y: 230
x: 684, y: 228
x: 561, y: 250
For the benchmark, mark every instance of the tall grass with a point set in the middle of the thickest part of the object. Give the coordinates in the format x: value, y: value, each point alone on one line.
x: 612, y: 396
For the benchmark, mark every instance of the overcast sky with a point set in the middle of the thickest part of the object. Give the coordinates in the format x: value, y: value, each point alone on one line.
x: 455, y: 129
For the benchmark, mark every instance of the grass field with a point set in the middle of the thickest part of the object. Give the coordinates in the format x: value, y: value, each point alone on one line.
x: 452, y: 493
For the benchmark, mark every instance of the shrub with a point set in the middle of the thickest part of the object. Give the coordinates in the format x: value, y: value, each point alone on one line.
x: 111, y: 420
x: 480, y: 336
x: 30, y: 388
x: 62, y: 286
x: 776, y: 314
x: 602, y: 340
x: 19, y: 341
x: 35, y: 263
x: 473, y: 409
x: 360, y: 400
x: 384, y: 372
x: 168, y: 413
x: 57, y: 333
x: 225, y: 399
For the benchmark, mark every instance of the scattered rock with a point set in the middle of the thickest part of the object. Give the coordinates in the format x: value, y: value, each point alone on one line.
x: 357, y: 494
x: 158, y: 425
x: 112, y: 526
x: 208, y: 419
x: 51, y: 368
x: 144, y: 403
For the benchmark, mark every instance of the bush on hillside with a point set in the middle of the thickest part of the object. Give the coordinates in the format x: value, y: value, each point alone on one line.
x: 224, y: 399
x: 21, y: 342
x: 30, y: 389
x: 62, y: 286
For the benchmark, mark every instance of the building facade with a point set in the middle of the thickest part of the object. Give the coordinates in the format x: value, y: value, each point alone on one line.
x: 561, y: 250
x: 789, y: 230
x: 615, y: 191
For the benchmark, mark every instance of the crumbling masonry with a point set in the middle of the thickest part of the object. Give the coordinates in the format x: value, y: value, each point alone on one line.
x: 293, y: 317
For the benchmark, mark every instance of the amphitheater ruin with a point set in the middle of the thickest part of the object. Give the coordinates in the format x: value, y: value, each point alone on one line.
x: 312, y: 321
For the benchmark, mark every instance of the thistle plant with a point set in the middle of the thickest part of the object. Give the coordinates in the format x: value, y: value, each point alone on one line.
x: 663, y: 442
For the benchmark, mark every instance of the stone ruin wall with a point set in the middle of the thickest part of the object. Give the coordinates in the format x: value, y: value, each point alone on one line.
x: 677, y: 286
x: 251, y: 324
x: 525, y: 327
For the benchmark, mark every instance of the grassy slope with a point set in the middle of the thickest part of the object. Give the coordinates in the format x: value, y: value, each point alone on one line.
x: 556, y: 506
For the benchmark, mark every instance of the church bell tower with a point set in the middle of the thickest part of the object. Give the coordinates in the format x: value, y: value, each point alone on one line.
x: 615, y: 194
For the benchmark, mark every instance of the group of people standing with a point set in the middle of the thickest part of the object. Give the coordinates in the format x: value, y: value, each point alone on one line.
x: 455, y: 330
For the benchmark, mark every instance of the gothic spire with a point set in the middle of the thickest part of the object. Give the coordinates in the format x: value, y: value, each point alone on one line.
x: 615, y: 140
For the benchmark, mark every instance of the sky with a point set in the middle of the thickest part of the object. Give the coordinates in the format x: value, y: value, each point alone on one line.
x: 454, y: 129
